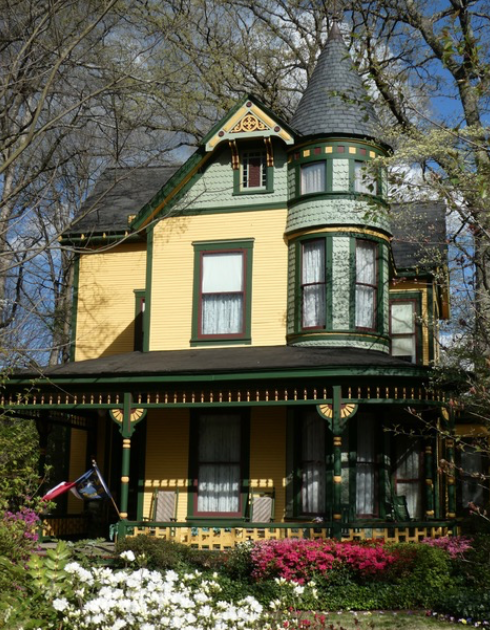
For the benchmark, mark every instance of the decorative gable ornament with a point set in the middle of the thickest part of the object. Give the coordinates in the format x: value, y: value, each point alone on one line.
x: 249, y: 119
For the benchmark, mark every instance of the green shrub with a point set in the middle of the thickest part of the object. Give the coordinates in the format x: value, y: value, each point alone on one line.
x: 239, y: 563
x: 155, y: 553
x: 466, y: 603
x: 474, y: 568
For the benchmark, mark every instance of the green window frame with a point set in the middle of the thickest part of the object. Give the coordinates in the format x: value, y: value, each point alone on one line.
x: 226, y: 301
x: 404, y: 333
x: 366, y: 284
x: 204, y: 462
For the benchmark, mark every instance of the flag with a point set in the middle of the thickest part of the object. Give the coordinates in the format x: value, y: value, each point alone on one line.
x: 90, y: 485
x: 61, y: 488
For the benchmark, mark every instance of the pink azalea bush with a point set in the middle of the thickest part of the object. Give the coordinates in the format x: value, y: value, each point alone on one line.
x: 455, y: 546
x: 300, y: 560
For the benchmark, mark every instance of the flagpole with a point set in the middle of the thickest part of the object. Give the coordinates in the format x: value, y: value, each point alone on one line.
x: 94, y: 464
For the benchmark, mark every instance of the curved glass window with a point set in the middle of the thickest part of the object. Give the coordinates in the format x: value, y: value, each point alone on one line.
x: 313, y: 178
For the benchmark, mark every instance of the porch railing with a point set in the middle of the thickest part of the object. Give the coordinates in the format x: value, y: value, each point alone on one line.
x: 214, y: 537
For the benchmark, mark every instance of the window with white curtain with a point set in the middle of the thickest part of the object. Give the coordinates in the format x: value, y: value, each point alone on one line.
x: 408, y: 472
x: 366, y: 466
x: 366, y: 284
x: 473, y: 474
x: 219, y: 469
x: 403, y: 330
x: 313, y: 286
x: 222, y: 293
x: 312, y: 178
x: 364, y: 180
x: 313, y: 466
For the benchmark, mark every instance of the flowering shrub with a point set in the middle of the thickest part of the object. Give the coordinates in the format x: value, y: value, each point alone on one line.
x: 455, y: 546
x: 18, y: 533
x: 300, y: 560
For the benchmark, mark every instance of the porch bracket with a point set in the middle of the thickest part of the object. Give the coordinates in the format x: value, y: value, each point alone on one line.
x: 128, y: 417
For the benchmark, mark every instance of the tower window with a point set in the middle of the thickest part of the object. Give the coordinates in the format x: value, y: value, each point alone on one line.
x: 366, y: 284
x: 313, y: 285
x: 313, y: 178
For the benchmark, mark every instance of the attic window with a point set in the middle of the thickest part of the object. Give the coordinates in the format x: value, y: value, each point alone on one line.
x: 254, y: 170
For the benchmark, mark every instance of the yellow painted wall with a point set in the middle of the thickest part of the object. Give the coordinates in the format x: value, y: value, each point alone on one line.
x: 78, y: 465
x: 173, y: 271
x: 422, y: 287
x: 268, y: 454
x: 167, y: 456
x: 106, y: 300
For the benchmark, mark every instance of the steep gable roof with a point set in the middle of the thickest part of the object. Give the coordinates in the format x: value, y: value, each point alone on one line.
x: 335, y: 100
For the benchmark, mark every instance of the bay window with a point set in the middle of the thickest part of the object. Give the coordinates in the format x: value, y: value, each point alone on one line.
x: 364, y: 180
x: 366, y: 284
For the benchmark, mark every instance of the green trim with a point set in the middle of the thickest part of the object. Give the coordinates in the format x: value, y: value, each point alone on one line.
x: 148, y: 289
x: 430, y: 322
x: 382, y: 288
x: 329, y: 282
x: 194, y: 461
x: 237, y: 176
x: 147, y: 210
x: 216, y: 246
x: 352, y: 280
x: 247, y: 207
x: 368, y: 337
x: 335, y: 142
x: 74, y: 306
x: 101, y: 239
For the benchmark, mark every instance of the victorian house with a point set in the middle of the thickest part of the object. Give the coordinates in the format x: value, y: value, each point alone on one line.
x: 253, y: 337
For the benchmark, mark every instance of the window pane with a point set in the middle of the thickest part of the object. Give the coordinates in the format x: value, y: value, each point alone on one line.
x: 222, y: 314
x: 222, y: 273
x: 364, y: 181
x: 313, y: 465
x: 408, y: 473
x: 472, y: 487
x: 365, y: 468
x: 313, y: 284
x: 402, y: 318
x: 219, y: 463
x: 254, y: 172
x: 313, y: 178
x: 403, y: 347
x: 366, y: 263
x: 365, y: 306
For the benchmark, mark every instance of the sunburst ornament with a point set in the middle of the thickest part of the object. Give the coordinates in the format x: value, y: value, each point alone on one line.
x: 136, y: 415
x: 346, y: 410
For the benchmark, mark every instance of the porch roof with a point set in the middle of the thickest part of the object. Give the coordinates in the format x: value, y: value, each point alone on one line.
x: 207, y: 362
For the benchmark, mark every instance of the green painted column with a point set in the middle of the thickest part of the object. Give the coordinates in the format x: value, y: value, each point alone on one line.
x: 449, y: 423
x: 384, y: 475
x: 126, y: 461
x: 337, y: 461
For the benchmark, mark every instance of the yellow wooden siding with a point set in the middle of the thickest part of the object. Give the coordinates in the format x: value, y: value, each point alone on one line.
x: 173, y: 271
x: 422, y: 288
x: 268, y: 454
x: 106, y: 300
x: 78, y: 465
x: 167, y: 448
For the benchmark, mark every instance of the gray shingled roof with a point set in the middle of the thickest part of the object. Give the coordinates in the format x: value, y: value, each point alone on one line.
x: 119, y: 193
x: 335, y: 100
x: 419, y: 234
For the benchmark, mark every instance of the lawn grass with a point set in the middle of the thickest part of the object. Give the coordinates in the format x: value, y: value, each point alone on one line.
x: 385, y: 621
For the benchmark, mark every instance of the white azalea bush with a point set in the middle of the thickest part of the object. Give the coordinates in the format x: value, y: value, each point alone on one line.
x: 141, y: 599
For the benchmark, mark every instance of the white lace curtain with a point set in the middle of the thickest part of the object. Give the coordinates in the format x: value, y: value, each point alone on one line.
x: 219, y: 464
x: 313, y: 465
x: 408, y: 473
x: 365, y: 468
x: 313, y: 178
x: 313, y: 282
x: 365, y: 284
x: 222, y: 293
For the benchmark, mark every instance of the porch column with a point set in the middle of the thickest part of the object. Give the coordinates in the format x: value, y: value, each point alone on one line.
x: 43, y: 429
x: 429, y: 480
x: 448, y: 416
x: 127, y: 418
x: 337, y: 460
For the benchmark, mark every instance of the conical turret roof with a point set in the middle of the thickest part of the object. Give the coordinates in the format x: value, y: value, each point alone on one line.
x: 335, y: 100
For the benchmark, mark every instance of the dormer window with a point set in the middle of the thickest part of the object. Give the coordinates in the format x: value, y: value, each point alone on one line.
x: 313, y: 178
x: 254, y: 170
